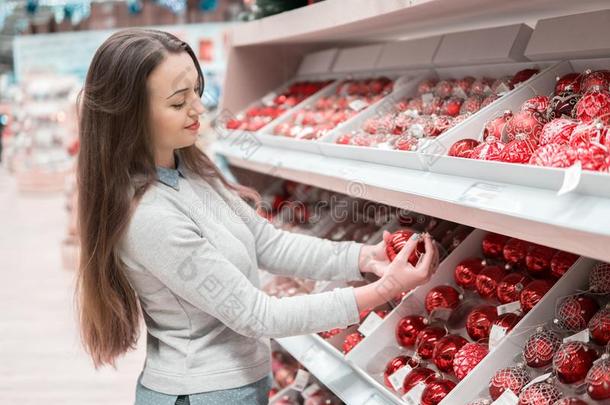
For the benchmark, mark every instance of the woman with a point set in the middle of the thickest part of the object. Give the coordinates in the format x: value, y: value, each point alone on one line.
x: 162, y: 230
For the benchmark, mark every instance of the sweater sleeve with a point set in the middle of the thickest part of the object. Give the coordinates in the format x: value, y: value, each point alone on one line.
x: 170, y: 246
x: 291, y: 254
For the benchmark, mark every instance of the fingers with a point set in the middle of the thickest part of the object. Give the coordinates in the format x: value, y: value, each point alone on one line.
x: 428, y: 257
x: 407, y: 249
x: 386, y: 237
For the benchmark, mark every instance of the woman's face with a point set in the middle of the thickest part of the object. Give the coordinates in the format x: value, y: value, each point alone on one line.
x: 175, y: 105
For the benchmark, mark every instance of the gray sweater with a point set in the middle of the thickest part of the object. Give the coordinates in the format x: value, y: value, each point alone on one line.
x: 192, y: 252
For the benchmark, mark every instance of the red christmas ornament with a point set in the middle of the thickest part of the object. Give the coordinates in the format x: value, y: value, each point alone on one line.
x: 351, y: 341
x: 574, y: 313
x: 442, y: 296
x: 462, y: 86
x: 502, y: 85
x: 436, y: 391
x: 493, y: 245
x: 594, y: 157
x: 598, y: 379
x: 558, y: 131
x: 570, y: 81
x: 599, y: 278
x: 330, y: 333
x: 444, y: 351
x: 397, y: 240
x: 417, y: 375
x: 554, y: 155
x: 465, y: 273
x: 394, y: 365
x: 523, y: 75
x: 406, y: 143
x: 426, y: 86
x: 491, y: 149
x: 472, y: 104
x: 599, y: 327
x: 561, y: 262
x: 479, y: 321
x: 540, y: 394
x: 515, y: 252
x: 488, y: 279
x: 510, y: 287
x: 540, y: 348
x: 408, y: 328
x: 436, y: 125
x: 594, y: 105
x: 467, y: 358
x: 496, y: 126
x: 426, y: 340
x: 572, y: 361
x: 538, y: 259
x: 586, y: 133
x: 595, y: 79
x: 527, y: 122
x: 518, y: 151
x: 512, y: 378
x: 481, y: 87
x: 533, y: 293
x: 463, y: 148
x: 444, y: 88
x: 452, y: 106
x: 538, y: 103
x: 507, y: 321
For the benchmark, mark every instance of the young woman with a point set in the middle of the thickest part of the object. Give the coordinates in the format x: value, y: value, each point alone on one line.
x: 162, y: 230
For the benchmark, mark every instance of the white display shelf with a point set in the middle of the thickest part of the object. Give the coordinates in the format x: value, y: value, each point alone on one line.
x: 572, y: 222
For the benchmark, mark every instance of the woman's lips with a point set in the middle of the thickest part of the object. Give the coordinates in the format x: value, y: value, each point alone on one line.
x: 194, y: 126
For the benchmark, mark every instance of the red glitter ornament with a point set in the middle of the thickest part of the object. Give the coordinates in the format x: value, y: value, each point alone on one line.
x: 527, y: 122
x: 518, y: 151
x: 452, y: 106
x: 491, y: 149
x: 417, y: 375
x: 510, y: 378
x: 467, y: 358
x: 523, y: 75
x: 515, y: 251
x: 599, y: 327
x: 351, y: 341
x: 436, y: 391
x: 444, y: 351
x: 408, y: 328
x: 465, y: 273
x: 510, y: 287
x: 397, y: 240
x: 538, y: 259
x: 599, y: 278
x: 496, y: 126
x: 594, y: 105
x: 598, y: 379
x: 463, y: 148
x: 426, y: 86
x: 570, y: 81
x: 595, y: 79
x: 557, y: 131
x: 540, y: 348
x: 444, y: 88
x: 426, y: 340
x: 507, y: 321
x: 442, y: 296
x: 574, y: 313
x: 394, y: 365
x: 493, y: 245
x: 540, y: 394
x: 488, y: 279
x: 561, y: 262
x: 479, y: 321
x: 472, y: 104
x: 538, y: 103
x: 572, y: 361
x: 533, y: 293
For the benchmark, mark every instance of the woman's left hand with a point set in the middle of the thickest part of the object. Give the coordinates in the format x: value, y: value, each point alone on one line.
x: 373, y: 258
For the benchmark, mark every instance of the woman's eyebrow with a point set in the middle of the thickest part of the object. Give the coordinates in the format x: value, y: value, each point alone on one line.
x: 177, y: 91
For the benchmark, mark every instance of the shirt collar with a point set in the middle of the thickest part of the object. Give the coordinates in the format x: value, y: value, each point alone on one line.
x: 170, y: 177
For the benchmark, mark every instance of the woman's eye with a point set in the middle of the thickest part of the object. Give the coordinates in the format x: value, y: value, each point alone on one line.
x: 178, y: 106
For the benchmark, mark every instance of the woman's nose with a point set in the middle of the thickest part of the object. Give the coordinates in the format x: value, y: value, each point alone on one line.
x: 197, y: 107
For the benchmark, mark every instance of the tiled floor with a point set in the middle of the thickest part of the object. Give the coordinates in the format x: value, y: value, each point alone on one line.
x: 41, y: 360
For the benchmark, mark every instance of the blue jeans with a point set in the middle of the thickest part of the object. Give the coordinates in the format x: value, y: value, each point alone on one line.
x: 251, y: 394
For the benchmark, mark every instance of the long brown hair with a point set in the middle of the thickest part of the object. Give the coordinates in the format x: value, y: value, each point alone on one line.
x: 115, y: 167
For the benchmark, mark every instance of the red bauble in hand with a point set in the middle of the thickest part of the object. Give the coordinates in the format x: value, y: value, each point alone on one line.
x: 594, y: 105
x: 408, y: 328
x: 488, y: 279
x: 479, y: 321
x: 599, y: 327
x: 507, y: 321
x: 463, y: 148
x: 538, y: 103
x: 417, y: 375
x: 523, y: 75
x: 496, y: 126
x: 595, y: 79
x: 426, y: 340
x: 394, y: 365
x: 445, y: 350
x: 538, y: 259
x: 570, y: 81
x: 493, y: 245
x: 529, y: 123
x: 533, y: 293
x: 351, y: 341
x: 512, y: 378
x: 490, y: 149
x: 510, y: 287
x: 518, y: 151
x: 557, y: 131
x: 572, y: 361
x: 540, y: 394
x: 442, y: 296
x: 540, y: 348
x: 561, y: 262
x: 465, y: 273
x: 574, y: 313
x: 598, y: 379
x: 436, y: 391
x: 397, y: 240
x: 467, y: 358
x: 599, y: 278
x: 515, y: 252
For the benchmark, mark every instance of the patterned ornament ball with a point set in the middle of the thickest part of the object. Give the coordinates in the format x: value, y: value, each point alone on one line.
x: 408, y: 328
x: 593, y: 105
x: 599, y: 278
x: 512, y: 378
x: 436, y: 391
x: 593, y: 79
x: 561, y: 262
x: 599, y: 327
x: 427, y: 339
x: 542, y: 393
x: 574, y: 313
x: 598, y: 379
x: 554, y: 155
x: 398, y: 240
x: 479, y: 321
x: 519, y: 150
x: 445, y: 350
x: 528, y: 122
x: 562, y: 105
x: 510, y: 287
x: 487, y: 281
x: 570, y: 81
x: 540, y: 348
x: 495, y: 127
x: 538, y: 103
x: 490, y: 149
x: 533, y: 293
x: 572, y: 361
x: 394, y: 365
x: 444, y: 88
x: 465, y: 273
x: 467, y: 358
x: 493, y: 245
x: 557, y: 131
x: 417, y: 375
x: 442, y: 296
x: 515, y: 252
x: 463, y: 148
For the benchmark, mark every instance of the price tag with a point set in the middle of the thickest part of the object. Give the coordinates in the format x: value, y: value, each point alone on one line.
x: 507, y: 398
x: 300, y: 381
x: 413, y: 397
x: 427, y: 98
x: 538, y: 379
x: 398, y: 377
x: 309, y: 391
x: 582, y: 336
x: 496, y: 334
x: 513, y: 307
x: 571, y: 178
x: 358, y: 105
x: 371, y: 323
x: 481, y: 193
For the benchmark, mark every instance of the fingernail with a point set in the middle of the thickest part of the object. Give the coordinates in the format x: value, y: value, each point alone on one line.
x: 415, y: 236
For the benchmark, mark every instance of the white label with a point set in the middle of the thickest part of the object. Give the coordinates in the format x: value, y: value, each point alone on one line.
x: 582, y: 336
x: 309, y: 391
x: 301, y: 380
x: 427, y: 98
x: 513, y: 307
x: 481, y: 193
x: 442, y: 314
x: 571, y: 178
x: 496, y: 334
x: 502, y: 89
x: 538, y: 379
x: 413, y: 397
x: 371, y: 323
x: 358, y: 105
x: 398, y: 377
x: 507, y: 398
